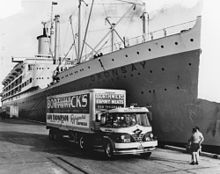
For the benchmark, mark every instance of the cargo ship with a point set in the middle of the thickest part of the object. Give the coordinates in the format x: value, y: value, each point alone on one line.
x: 158, y: 72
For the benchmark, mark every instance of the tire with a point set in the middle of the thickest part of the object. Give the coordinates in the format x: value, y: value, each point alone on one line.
x: 82, y: 143
x: 51, y: 135
x: 146, y: 155
x: 55, y: 135
x: 108, y: 150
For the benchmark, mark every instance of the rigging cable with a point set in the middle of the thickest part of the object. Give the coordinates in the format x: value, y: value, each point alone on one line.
x: 65, y: 39
x: 132, y: 7
x: 74, y: 36
x: 85, y: 35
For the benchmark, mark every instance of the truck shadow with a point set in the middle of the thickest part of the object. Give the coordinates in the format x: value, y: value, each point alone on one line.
x: 20, y: 121
x: 158, y: 159
x: 41, y: 143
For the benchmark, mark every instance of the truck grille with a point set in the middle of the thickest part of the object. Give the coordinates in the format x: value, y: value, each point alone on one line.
x: 138, y: 137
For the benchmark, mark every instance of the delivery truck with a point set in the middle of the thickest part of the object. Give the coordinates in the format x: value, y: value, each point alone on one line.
x: 99, y: 119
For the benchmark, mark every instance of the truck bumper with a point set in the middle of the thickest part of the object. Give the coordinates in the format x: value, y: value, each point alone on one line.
x: 134, y: 148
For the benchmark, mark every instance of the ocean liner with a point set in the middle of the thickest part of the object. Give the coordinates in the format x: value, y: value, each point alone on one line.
x: 161, y: 73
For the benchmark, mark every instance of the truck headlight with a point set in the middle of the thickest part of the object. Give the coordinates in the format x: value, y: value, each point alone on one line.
x: 149, y: 136
x: 124, y: 138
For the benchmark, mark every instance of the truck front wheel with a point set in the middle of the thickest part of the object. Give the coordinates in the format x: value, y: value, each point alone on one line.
x: 146, y: 155
x: 108, y: 150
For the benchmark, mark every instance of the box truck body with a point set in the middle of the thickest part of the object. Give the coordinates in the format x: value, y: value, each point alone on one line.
x: 79, y: 110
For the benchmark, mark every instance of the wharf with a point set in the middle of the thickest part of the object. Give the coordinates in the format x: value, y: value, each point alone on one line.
x: 25, y: 148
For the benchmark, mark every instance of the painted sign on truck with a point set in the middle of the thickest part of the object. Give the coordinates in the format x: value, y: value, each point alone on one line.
x: 71, y: 110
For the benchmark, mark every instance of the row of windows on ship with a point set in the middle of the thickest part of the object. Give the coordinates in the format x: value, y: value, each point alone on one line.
x: 18, y: 81
x: 32, y: 66
x: 17, y: 89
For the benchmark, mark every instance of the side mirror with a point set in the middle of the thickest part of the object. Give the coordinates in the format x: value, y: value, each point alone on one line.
x: 150, y: 117
x: 98, y: 117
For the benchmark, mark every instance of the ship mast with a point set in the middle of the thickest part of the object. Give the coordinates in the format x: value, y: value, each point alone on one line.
x: 51, y: 27
x: 57, y: 40
x: 79, y: 29
x: 80, y: 50
x: 143, y: 17
x: 112, y: 32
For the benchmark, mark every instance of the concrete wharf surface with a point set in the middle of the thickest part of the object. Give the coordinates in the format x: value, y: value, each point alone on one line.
x: 25, y: 148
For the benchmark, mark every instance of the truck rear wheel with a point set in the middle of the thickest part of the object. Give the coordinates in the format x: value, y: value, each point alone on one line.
x: 54, y: 135
x: 108, y: 150
x: 51, y: 135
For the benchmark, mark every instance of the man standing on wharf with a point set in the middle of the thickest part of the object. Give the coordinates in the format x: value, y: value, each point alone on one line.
x: 195, y: 142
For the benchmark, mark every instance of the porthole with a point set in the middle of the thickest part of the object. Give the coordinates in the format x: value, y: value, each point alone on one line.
x: 149, y: 49
x: 190, y: 64
x: 176, y: 43
x: 149, y: 91
x: 126, y: 55
x: 138, y: 52
x: 162, y: 46
x: 177, y: 87
x: 88, y: 67
x: 139, y: 73
x: 191, y: 39
x: 113, y: 60
x: 142, y: 92
x: 162, y: 69
x: 151, y: 71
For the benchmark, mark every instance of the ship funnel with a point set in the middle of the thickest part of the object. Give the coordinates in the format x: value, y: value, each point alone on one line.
x: 43, y: 43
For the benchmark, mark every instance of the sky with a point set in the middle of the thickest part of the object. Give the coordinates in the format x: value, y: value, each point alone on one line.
x: 20, y: 24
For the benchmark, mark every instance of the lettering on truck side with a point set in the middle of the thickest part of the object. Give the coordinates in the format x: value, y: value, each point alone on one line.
x: 72, y: 120
x: 76, y: 101
x: 109, y: 100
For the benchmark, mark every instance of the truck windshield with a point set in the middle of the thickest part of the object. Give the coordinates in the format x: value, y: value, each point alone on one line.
x: 117, y: 120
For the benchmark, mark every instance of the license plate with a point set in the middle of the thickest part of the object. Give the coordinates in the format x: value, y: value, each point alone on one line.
x: 140, y: 147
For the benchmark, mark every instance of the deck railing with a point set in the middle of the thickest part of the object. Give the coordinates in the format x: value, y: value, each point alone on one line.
x: 164, y: 32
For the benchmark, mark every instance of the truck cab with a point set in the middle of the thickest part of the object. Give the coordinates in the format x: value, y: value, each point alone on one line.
x: 127, y: 131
